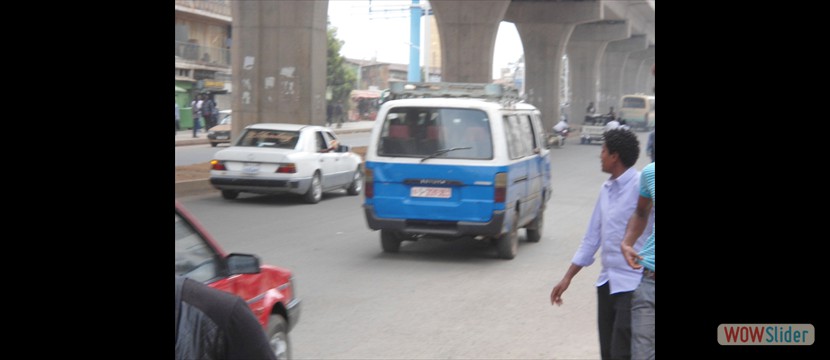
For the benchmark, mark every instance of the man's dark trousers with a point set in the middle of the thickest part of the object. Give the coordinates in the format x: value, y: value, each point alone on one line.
x: 614, y: 320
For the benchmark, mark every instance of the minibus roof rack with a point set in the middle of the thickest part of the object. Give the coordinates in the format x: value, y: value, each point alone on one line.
x: 496, y: 92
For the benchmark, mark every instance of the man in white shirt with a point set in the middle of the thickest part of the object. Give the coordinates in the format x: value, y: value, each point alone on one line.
x: 617, y: 281
x: 611, y: 125
x: 561, y: 125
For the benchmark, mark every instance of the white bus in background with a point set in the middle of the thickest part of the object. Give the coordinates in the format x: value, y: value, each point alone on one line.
x: 638, y: 111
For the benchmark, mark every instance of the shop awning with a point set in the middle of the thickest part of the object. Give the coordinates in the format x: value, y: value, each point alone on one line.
x: 367, y: 94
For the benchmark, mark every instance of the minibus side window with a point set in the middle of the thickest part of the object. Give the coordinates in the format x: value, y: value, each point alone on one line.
x: 538, y: 129
x: 513, y: 134
x: 527, y: 134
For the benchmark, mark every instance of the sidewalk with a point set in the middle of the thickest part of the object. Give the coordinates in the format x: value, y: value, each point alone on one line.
x: 185, y: 137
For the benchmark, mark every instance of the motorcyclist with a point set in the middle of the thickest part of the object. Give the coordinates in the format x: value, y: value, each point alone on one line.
x: 561, y: 125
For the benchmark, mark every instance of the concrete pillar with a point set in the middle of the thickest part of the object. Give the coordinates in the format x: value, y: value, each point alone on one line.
x: 644, y: 79
x: 279, y: 62
x: 613, y: 64
x: 585, y: 49
x: 468, y: 32
x: 544, y: 45
x: 545, y: 28
x: 632, y: 69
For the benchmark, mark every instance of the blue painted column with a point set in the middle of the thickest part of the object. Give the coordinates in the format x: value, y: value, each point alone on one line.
x: 414, y: 70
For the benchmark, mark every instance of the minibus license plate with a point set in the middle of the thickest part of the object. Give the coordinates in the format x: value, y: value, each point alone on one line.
x: 431, y: 192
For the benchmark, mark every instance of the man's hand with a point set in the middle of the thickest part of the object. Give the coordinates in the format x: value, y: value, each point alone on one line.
x: 631, y: 256
x: 558, y: 290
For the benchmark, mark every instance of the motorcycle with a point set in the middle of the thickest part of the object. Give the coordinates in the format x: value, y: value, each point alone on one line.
x: 558, y: 137
x: 561, y: 136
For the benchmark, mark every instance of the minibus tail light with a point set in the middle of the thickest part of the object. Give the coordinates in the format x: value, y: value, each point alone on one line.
x: 500, y: 190
x: 369, y: 183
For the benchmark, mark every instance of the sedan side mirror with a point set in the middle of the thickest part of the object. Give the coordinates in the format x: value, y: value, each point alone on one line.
x: 242, y: 264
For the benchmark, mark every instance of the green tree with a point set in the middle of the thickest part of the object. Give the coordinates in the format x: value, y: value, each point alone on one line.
x: 339, y: 77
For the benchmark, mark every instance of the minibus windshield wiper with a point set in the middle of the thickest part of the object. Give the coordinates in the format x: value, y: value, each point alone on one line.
x: 444, y: 151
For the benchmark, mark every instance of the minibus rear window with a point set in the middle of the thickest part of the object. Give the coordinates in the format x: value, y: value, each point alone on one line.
x: 633, y: 102
x: 421, y: 132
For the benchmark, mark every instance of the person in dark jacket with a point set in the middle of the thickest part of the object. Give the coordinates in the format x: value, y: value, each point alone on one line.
x: 213, y: 324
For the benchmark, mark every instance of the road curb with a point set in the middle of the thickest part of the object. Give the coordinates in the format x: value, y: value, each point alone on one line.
x: 192, y: 142
x: 200, y: 141
x: 193, y: 187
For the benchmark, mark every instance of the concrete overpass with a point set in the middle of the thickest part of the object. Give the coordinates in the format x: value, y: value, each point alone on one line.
x: 279, y: 52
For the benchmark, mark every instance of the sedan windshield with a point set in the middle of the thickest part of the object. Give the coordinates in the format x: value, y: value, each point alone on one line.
x: 281, y: 139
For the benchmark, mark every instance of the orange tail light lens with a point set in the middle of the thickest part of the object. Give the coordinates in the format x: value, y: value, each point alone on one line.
x: 217, y: 165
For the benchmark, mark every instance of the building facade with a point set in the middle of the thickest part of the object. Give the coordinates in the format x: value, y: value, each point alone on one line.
x: 203, y: 53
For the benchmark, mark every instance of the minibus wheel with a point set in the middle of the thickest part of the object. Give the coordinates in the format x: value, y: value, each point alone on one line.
x: 534, y: 229
x: 508, y: 244
x: 390, y: 241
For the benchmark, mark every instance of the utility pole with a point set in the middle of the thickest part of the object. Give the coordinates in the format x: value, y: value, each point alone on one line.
x: 416, y: 11
x: 427, y: 41
x: 414, y: 71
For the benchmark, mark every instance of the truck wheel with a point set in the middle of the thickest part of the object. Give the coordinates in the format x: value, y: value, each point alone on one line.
x: 390, y: 241
x: 508, y: 244
x: 534, y: 229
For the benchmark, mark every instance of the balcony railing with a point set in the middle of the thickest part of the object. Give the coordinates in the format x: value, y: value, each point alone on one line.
x: 203, y: 55
x: 219, y: 7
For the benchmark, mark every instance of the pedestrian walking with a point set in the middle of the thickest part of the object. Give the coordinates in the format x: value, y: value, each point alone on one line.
x: 338, y: 113
x: 178, y: 118
x: 209, y: 111
x: 196, y: 106
x: 617, y: 281
x: 642, y: 301
x: 329, y: 112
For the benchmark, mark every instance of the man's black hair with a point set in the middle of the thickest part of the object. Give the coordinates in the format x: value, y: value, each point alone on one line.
x: 623, y: 142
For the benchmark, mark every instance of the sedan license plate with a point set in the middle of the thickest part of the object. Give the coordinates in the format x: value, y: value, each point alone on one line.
x: 221, y: 137
x: 250, y: 168
x: 431, y: 192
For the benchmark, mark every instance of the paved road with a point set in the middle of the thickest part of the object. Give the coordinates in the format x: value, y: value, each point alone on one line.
x: 434, y: 299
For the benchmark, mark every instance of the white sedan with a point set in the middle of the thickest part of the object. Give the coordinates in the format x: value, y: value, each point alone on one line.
x: 286, y: 158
